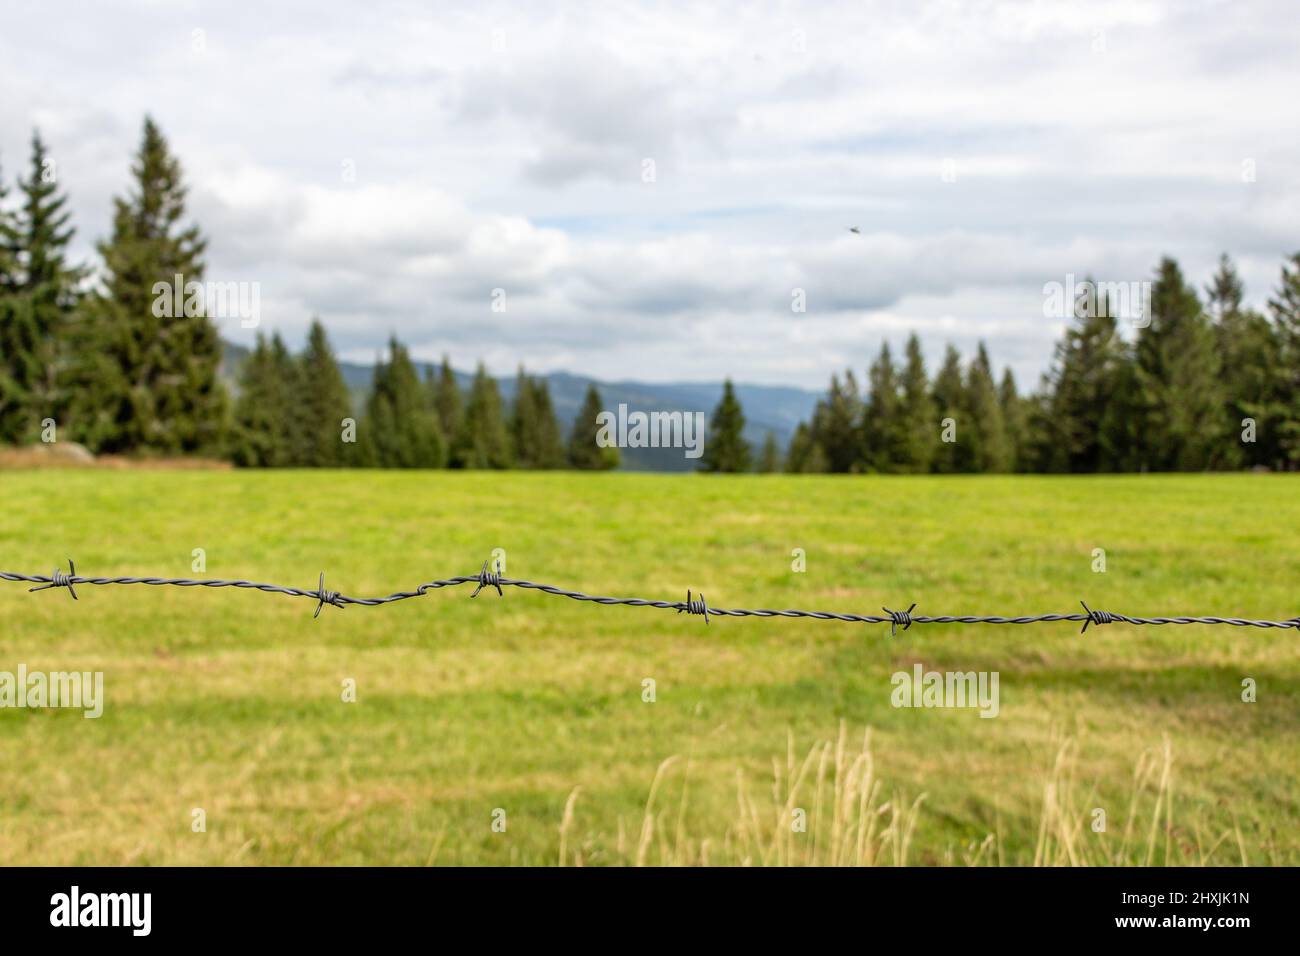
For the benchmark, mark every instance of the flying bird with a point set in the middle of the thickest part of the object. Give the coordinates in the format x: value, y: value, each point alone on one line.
x: 855, y: 230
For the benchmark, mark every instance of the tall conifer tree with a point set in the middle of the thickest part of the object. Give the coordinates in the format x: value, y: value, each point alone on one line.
x: 1179, y: 376
x: 402, y: 423
x: 150, y: 383
x: 917, y: 413
x: 323, y: 402
x: 41, y: 293
x: 725, y: 448
x: 953, y: 420
x: 484, y: 440
x: 584, y: 451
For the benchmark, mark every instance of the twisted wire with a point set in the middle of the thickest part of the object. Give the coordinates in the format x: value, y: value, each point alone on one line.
x: 693, y: 605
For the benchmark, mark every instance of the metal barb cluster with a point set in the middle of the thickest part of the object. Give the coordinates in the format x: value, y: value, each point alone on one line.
x: 324, y: 597
x: 489, y: 579
x: 60, y: 580
x: 899, y: 617
x: 693, y: 604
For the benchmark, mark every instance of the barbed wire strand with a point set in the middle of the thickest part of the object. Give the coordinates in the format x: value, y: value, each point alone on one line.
x: 693, y: 604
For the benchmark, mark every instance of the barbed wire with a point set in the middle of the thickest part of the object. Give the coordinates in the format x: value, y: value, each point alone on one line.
x: 488, y: 578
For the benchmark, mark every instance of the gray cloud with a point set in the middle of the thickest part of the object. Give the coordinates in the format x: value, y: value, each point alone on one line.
x: 501, y: 146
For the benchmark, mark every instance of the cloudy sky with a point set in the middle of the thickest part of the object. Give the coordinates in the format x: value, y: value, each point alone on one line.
x: 650, y: 183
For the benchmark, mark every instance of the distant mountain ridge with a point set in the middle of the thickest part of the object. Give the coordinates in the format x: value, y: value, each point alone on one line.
x: 775, y: 408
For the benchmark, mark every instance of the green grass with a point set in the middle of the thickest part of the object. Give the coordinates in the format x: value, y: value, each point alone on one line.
x: 229, y: 700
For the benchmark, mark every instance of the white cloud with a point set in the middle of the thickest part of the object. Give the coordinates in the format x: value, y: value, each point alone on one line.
x: 501, y: 146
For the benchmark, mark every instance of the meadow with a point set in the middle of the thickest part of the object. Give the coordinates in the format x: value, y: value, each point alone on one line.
x: 530, y: 709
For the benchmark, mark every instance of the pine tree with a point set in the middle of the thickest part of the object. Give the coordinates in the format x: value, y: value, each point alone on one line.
x: 991, y: 452
x: 8, y: 244
x: 1121, y: 438
x: 447, y: 400
x: 1083, y: 385
x: 769, y: 458
x: 950, y: 400
x: 725, y: 449
x: 262, y: 436
x: 1013, y: 418
x: 523, y: 423
x: 1248, y: 346
x: 323, y: 401
x: 884, y: 436
x: 484, y: 440
x: 1285, y: 309
x: 804, y: 455
x: 150, y: 382
x: 41, y: 295
x: 549, y: 443
x: 917, y: 415
x: 584, y: 450
x: 404, y: 427
x: 1179, y: 377
x: 13, y: 396
x: 1225, y: 293
x: 836, y: 427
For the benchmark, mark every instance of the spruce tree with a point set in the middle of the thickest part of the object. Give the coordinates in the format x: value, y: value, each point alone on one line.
x: 323, y: 401
x: 837, y: 428
x: 725, y: 448
x: 549, y: 443
x: 769, y: 458
x: 403, y: 426
x: 1284, y: 306
x: 1083, y: 386
x: 12, y: 395
x: 8, y: 243
x: 1248, y: 349
x: 40, y: 289
x: 884, y: 432
x: 917, y: 414
x: 484, y: 440
x: 1179, y: 377
x: 1225, y: 293
x: 950, y: 400
x: 1121, y: 439
x: 523, y: 423
x: 991, y: 452
x: 1013, y: 419
x: 584, y: 451
x: 447, y: 400
x: 262, y: 436
x: 150, y: 381
x: 798, y: 455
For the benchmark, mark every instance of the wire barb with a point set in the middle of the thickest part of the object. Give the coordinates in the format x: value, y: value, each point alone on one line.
x: 1096, y: 617
x: 696, y: 606
x: 324, y: 597
x: 489, y: 579
x: 899, y: 617
x: 60, y: 580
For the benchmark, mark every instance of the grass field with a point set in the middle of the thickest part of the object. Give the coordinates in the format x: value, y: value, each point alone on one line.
x: 230, y: 701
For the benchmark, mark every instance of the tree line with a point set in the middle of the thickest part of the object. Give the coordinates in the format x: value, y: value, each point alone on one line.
x: 297, y: 411
x: 1206, y: 383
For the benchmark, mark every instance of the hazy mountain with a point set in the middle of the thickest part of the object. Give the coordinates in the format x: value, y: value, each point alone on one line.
x: 774, y: 408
